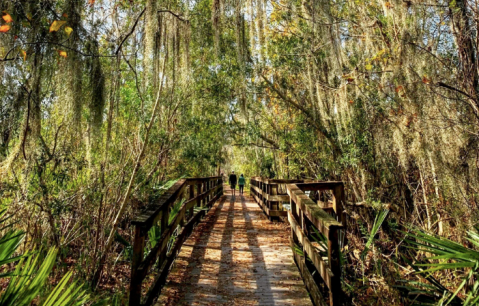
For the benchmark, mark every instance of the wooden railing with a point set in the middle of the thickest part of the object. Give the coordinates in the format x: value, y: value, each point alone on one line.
x: 307, y: 219
x: 270, y: 194
x: 164, y: 252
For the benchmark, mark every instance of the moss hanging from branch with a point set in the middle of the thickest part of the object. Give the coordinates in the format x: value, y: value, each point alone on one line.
x: 216, y: 22
x: 240, y: 52
x: 97, y: 86
x: 260, y: 25
x: 151, y: 32
x: 74, y: 70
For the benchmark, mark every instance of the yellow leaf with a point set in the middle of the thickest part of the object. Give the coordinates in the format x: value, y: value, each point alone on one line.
x: 68, y: 30
x: 24, y: 55
x: 368, y: 67
x: 4, y: 28
x: 56, y: 25
x: 29, y: 16
x: 62, y: 53
x: 7, y: 18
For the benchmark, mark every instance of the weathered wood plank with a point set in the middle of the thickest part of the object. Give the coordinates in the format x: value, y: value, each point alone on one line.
x: 160, y: 280
x: 316, y: 215
x: 197, y: 180
x: 135, y: 282
x: 308, y: 279
x: 319, y: 263
x: 269, y: 212
x: 335, y: 292
x: 149, y: 215
x: 276, y: 181
x: 277, y: 213
x: 222, y: 264
x: 162, y: 244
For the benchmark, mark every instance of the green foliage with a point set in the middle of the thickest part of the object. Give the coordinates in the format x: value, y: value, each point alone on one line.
x: 378, y: 221
x: 31, y: 274
x: 67, y: 294
x: 447, y: 255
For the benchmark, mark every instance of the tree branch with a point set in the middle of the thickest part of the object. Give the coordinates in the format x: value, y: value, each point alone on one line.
x: 131, y: 31
x: 174, y: 14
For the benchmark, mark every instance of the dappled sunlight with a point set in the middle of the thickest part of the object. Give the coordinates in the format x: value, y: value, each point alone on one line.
x: 236, y: 257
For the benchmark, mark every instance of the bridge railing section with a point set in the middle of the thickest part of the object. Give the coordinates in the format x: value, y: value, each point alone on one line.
x: 316, y: 232
x: 188, y: 194
x: 270, y: 194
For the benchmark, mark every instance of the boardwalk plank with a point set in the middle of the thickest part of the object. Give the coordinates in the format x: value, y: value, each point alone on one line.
x: 236, y: 257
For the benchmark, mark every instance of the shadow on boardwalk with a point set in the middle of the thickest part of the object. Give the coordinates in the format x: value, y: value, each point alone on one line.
x: 235, y: 257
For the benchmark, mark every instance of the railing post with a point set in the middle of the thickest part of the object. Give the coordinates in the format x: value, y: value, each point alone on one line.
x: 185, y: 217
x: 164, y: 225
x: 135, y: 282
x: 338, y: 202
x: 208, y: 188
x: 304, y: 223
x: 191, y: 196
x: 334, y: 265
x: 203, y: 190
x: 222, y: 186
x: 198, y: 192
x: 266, y: 201
x: 274, y: 191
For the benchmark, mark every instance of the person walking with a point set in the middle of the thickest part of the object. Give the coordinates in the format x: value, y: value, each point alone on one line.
x: 241, y: 183
x: 233, y: 180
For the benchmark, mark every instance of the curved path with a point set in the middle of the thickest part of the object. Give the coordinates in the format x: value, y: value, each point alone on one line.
x: 236, y: 257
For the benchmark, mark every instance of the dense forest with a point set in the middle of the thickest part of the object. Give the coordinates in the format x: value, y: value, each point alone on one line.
x: 105, y: 103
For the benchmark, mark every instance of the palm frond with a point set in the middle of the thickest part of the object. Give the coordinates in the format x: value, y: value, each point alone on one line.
x: 28, y: 279
x: 66, y: 295
x: 378, y: 221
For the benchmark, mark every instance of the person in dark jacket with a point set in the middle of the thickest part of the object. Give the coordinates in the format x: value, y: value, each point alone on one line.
x: 233, y: 180
x: 241, y: 183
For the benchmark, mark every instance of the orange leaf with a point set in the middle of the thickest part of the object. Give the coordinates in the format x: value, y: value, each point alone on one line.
x: 399, y: 88
x: 56, y: 25
x: 62, y: 53
x: 4, y: 28
x: 425, y: 80
x: 65, y: 15
x: 7, y: 18
x: 91, y: 2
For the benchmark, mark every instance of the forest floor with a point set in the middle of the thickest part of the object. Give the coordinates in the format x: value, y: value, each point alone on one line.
x: 236, y: 256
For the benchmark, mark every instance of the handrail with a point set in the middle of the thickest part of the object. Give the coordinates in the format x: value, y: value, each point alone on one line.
x: 208, y: 190
x: 266, y: 193
x: 276, y: 181
x: 305, y: 214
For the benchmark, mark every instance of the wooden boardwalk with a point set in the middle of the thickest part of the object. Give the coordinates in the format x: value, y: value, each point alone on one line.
x: 236, y: 257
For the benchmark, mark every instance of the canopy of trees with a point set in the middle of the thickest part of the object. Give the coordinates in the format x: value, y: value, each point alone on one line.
x: 103, y: 102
